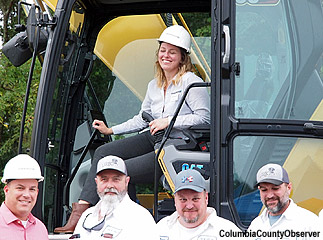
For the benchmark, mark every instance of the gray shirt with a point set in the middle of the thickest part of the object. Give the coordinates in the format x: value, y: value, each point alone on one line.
x: 194, y: 111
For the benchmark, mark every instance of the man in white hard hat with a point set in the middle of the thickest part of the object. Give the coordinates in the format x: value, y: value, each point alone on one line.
x: 282, y: 218
x: 193, y: 220
x: 115, y: 215
x: 21, y: 176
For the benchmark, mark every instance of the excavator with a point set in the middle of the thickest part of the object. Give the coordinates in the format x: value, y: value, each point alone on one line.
x: 261, y: 61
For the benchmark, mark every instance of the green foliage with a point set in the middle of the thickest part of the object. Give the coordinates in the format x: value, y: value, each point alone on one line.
x: 13, y: 83
x: 147, y: 188
x: 9, y: 17
x: 102, y: 81
x: 198, y: 23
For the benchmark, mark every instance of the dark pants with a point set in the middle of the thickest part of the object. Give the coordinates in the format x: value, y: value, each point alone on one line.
x: 138, y: 153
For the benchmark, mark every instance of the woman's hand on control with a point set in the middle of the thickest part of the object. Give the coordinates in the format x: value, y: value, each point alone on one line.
x: 100, y: 125
x: 158, y: 124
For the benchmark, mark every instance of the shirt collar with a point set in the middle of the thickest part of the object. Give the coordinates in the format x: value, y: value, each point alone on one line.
x: 212, y: 216
x: 9, y: 217
x: 120, y: 208
x: 288, y: 214
x: 210, y: 211
x: 118, y: 211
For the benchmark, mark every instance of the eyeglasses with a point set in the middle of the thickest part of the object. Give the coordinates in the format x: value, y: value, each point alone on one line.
x: 96, y: 227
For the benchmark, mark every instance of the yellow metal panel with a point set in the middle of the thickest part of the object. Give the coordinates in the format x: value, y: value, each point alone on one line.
x: 147, y: 200
x: 75, y: 19
x: 51, y: 3
x: 318, y: 114
x: 165, y: 170
x: 128, y: 45
x: 305, y: 168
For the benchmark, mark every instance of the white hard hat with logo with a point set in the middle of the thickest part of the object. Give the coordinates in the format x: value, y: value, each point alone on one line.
x: 22, y: 166
x: 177, y: 36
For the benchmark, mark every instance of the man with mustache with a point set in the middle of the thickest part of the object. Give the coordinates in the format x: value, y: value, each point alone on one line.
x: 281, y: 213
x: 115, y: 216
x: 193, y: 220
x: 21, y: 176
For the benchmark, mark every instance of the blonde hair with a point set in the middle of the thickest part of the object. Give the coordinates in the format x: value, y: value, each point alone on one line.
x: 185, y: 65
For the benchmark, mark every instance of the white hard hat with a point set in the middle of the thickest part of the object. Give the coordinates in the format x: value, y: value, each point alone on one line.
x: 177, y: 36
x: 22, y: 166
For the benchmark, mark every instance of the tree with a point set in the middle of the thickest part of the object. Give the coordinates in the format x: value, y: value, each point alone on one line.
x: 13, y: 83
x: 9, y: 18
x: 12, y: 93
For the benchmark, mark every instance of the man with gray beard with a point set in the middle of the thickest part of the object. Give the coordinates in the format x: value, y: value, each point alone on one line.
x: 282, y: 218
x: 193, y: 220
x: 115, y: 216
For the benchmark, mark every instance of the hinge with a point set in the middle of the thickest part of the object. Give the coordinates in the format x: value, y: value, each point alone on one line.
x: 236, y: 68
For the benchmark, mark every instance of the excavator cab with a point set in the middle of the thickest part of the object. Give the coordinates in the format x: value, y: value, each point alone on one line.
x: 111, y: 87
x: 261, y: 58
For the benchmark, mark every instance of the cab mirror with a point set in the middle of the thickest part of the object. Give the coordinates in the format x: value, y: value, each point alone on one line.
x: 17, y: 49
x: 20, y: 48
x: 32, y: 31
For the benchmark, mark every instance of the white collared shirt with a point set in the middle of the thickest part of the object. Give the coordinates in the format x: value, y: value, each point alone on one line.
x: 195, y: 110
x: 128, y: 221
x: 294, y: 219
x: 213, y: 228
x: 321, y: 221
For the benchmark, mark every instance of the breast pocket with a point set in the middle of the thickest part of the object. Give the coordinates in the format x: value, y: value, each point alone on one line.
x: 176, y: 96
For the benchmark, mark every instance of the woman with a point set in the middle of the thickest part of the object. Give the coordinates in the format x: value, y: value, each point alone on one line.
x: 173, y: 75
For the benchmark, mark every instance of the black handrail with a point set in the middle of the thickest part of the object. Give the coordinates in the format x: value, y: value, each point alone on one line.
x: 30, y: 75
x: 165, y: 137
x: 78, y: 165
